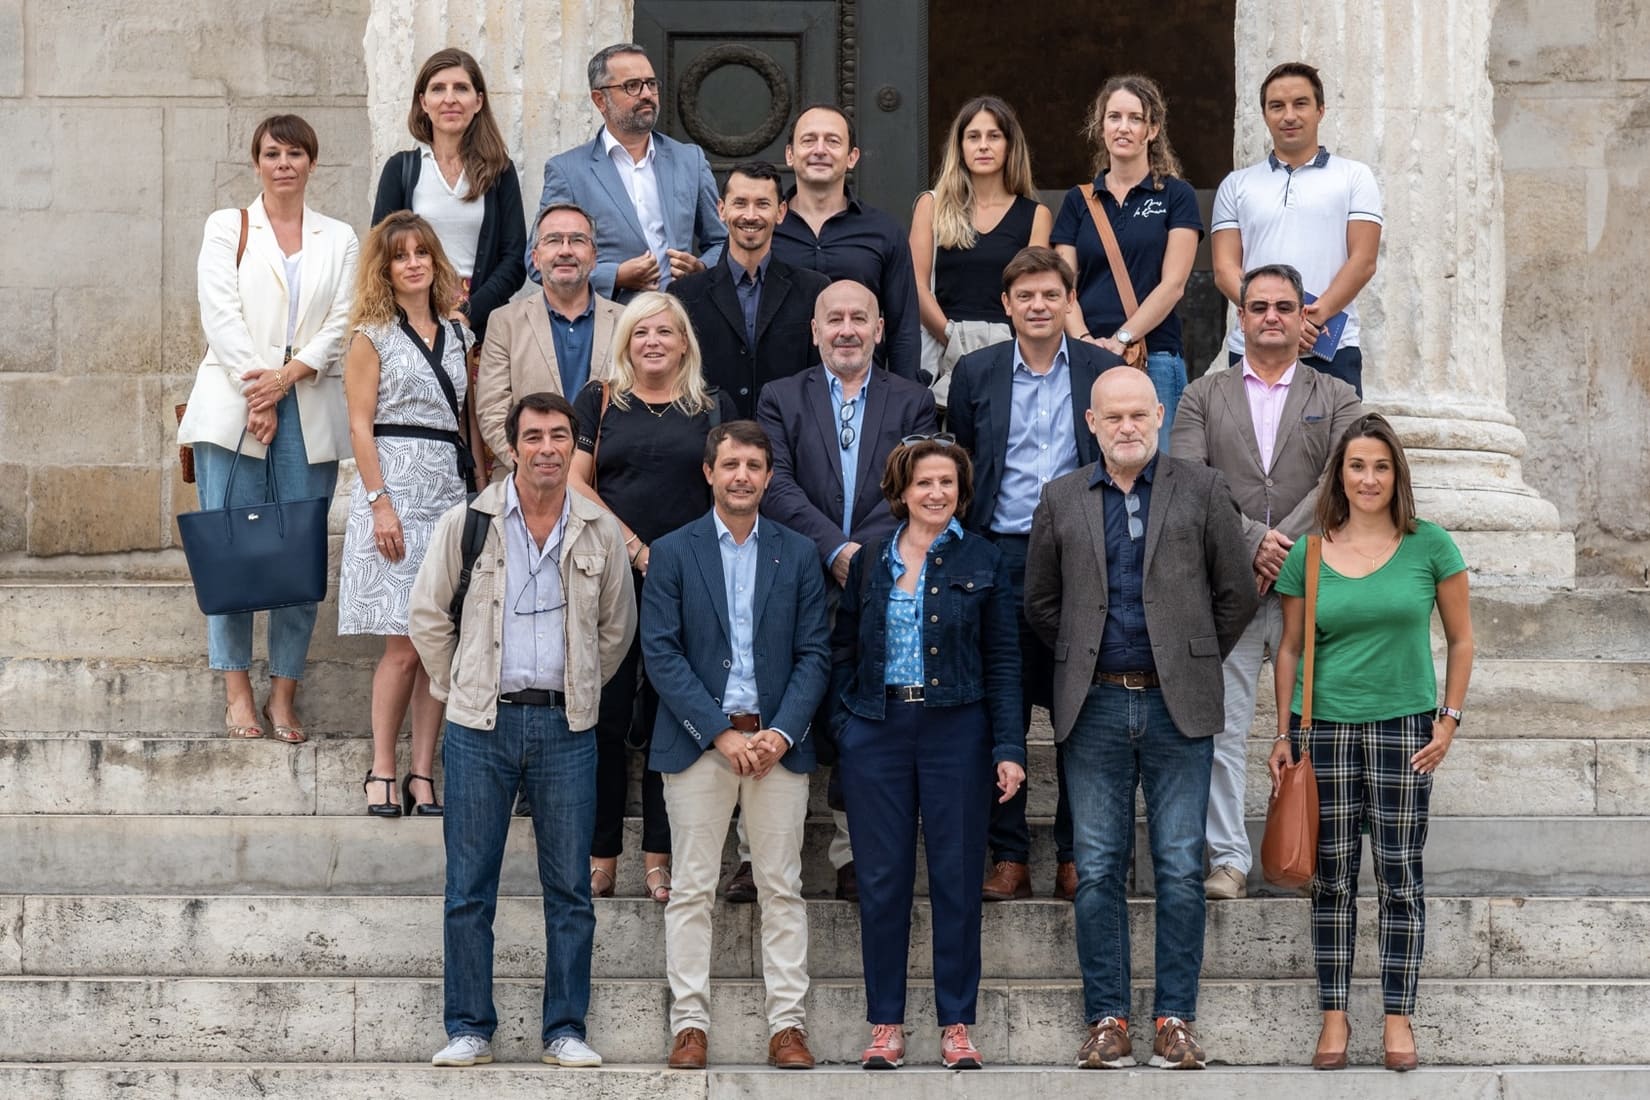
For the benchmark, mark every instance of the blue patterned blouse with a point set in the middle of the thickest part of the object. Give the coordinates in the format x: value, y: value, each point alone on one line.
x: 904, y: 663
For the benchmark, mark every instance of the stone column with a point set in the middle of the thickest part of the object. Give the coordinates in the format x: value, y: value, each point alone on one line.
x: 1408, y: 92
x: 532, y: 52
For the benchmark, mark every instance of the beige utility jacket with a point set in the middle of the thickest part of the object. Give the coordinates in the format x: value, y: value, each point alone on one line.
x: 600, y: 617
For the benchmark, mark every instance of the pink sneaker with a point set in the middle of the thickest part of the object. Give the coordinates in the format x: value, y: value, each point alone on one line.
x: 956, y: 1051
x: 887, y: 1049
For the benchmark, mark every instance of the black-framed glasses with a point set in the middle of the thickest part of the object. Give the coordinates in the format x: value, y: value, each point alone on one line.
x: 531, y: 584
x: 944, y: 439
x: 1137, y: 526
x: 556, y: 240
x: 633, y: 88
x: 845, y: 417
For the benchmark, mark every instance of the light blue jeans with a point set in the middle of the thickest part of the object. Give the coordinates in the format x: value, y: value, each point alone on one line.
x: 229, y: 637
x: 1168, y: 374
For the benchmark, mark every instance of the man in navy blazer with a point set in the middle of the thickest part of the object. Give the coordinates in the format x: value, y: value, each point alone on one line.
x: 1017, y: 408
x: 653, y: 198
x: 735, y: 642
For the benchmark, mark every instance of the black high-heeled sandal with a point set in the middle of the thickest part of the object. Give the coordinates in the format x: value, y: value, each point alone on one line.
x: 389, y: 807
x: 419, y: 809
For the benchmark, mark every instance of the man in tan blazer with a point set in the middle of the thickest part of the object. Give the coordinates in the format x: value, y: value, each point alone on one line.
x: 554, y: 342
x: 1269, y: 425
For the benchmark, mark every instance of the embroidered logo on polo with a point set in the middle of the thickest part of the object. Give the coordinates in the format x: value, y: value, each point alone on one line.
x: 1151, y: 208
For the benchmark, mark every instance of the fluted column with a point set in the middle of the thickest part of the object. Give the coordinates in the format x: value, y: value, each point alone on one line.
x: 1408, y: 92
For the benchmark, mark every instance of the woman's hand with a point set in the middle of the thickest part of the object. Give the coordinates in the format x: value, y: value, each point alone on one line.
x: 262, y: 425
x: 262, y: 388
x: 1281, y: 756
x: 1443, y: 733
x: 1009, y: 777
x: 643, y: 556
x: 1116, y: 347
x: 386, y: 530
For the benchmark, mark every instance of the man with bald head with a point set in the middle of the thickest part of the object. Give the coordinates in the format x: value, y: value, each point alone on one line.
x: 832, y: 427
x: 1139, y: 620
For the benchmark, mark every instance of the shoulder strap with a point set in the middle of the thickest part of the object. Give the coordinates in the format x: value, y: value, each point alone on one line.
x: 715, y: 408
x: 435, y: 358
x: 1114, y: 253
x: 475, y: 537
x: 1314, y: 559
x: 240, y: 249
x: 596, y: 446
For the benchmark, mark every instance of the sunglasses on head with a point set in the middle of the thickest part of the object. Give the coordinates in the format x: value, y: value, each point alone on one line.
x: 944, y: 439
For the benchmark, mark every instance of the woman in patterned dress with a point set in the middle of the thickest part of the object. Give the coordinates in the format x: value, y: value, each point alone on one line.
x: 404, y: 429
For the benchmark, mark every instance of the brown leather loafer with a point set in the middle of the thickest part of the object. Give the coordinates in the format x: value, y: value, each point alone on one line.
x: 1065, y: 881
x: 687, y: 1050
x: 788, y: 1049
x: 1008, y: 882
x: 847, y: 883
x: 741, y: 887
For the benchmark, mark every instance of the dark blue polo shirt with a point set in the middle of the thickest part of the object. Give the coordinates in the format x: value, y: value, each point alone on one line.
x: 1142, y: 226
x: 1125, y: 646
x: 573, y: 338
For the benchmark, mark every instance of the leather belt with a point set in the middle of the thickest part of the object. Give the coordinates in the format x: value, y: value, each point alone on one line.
x: 905, y: 693
x: 745, y: 722
x: 534, y: 697
x: 1134, y: 681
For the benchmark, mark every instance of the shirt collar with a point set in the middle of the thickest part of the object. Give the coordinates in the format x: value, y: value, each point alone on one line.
x: 834, y: 384
x: 589, y: 308
x: 953, y: 530
x: 722, y: 531
x: 854, y: 206
x: 1102, y: 476
x: 1146, y: 184
x: 737, y: 269
x: 512, y: 502
x: 1060, y: 357
x: 1288, y: 375
x: 610, y: 143
x: 1316, y: 162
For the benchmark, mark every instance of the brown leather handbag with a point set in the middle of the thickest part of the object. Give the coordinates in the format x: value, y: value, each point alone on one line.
x: 1289, y: 849
x: 186, y: 453
x: 1135, y: 354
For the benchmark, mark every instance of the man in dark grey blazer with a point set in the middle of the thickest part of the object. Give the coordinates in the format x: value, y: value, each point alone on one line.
x: 1269, y: 425
x: 1138, y: 580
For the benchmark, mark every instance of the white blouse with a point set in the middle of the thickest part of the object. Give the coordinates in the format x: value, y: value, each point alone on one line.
x: 456, y: 222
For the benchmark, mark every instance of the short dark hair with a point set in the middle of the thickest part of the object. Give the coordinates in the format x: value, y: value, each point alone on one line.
x: 1272, y: 271
x: 902, y: 469
x: 288, y: 130
x: 1333, y: 507
x: 541, y: 402
x: 853, y: 139
x: 747, y: 432
x: 1034, y: 259
x: 1292, y: 68
x: 756, y: 170
x: 596, y: 71
x: 551, y: 208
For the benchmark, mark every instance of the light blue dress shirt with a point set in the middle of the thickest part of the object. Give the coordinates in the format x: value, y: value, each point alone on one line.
x: 533, y: 650
x: 1042, y: 440
x: 739, y: 575
x: 850, y: 453
x: 903, y: 665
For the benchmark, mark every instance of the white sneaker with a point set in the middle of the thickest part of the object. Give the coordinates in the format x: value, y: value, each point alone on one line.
x: 1226, y: 883
x: 466, y: 1050
x: 570, y: 1051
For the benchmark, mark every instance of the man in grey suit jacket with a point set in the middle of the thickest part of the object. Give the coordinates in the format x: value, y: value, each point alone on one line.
x: 735, y: 642
x: 549, y: 343
x: 653, y: 198
x: 1269, y: 425
x: 1136, y: 578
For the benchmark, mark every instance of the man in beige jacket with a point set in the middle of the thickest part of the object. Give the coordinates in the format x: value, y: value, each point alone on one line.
x: 547, y: 616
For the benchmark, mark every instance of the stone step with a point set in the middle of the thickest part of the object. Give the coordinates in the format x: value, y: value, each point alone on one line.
x: 178, y: 854
x: 1039, y: 1023
x: 125, y: 775
x: 531, y: 1081
x: 340, y: 936
x: 1538, y: 623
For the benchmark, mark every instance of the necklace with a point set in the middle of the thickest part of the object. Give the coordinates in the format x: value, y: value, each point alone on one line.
x: 659, y: 412
x: 1379, y: 554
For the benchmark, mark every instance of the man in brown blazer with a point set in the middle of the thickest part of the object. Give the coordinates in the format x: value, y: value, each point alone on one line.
x: 1138, y: 581
x: 553, y: 342
x: 1269, y: 425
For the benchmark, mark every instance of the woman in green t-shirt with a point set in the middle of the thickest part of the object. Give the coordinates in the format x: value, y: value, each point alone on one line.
x: 1376, y: 738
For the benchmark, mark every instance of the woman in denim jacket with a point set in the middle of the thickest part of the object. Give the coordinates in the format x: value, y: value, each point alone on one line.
x: 926, y: 669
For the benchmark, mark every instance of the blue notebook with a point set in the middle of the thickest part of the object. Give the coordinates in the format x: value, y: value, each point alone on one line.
x: 1329, y: 337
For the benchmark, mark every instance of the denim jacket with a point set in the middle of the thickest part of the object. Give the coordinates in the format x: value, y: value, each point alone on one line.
x: 970, y: 638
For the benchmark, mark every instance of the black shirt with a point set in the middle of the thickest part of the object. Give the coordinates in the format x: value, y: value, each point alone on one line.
x: 968, y: 282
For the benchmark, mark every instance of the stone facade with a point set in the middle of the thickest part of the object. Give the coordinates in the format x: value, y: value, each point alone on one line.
x: 1471, y: 293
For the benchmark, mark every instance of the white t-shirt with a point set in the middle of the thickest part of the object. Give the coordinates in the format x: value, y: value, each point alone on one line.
x: 1298, y: 217
x: 294, y: 267
x: 457, y: 223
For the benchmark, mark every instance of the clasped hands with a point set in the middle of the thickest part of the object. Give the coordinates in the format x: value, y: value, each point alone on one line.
x: 753, y: 754
x: 1274, y: 547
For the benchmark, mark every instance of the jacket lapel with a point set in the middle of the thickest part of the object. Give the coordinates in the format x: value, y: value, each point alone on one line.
x: 709, y: 556
x: 775, y: 285
x: 261, y: 243
x: 664, y: 173
x: 767, y: 568
x: 1000, y: 386
x: 1094, y: 511
x: 1163, y: 485
x: 726, y: 298
x: 601, y: 165
x: 1237, y: 409
x: 1293, y: 404
x: 1081, y: 373
x: 876, y: 411
x: 538, y: 321
x: 818, y: 400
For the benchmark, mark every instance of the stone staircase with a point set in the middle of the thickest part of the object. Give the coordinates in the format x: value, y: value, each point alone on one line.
x: 184, y: 916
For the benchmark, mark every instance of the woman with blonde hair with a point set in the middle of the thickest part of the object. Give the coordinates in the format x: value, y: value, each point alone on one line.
x: 1153, y: 215
x: 982, y: 211
x: 404, y: 380
x: 640, y: 455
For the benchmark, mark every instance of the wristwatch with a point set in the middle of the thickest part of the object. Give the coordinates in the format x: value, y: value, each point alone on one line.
x: 1449, y: 712
x: 372, y: 497
x: 1123, y: 336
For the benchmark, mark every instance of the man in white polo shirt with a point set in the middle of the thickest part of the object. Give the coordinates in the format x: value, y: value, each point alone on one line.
x: 1320, y: 214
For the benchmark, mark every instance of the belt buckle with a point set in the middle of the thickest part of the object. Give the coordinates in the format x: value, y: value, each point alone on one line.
x: 1134, y: 681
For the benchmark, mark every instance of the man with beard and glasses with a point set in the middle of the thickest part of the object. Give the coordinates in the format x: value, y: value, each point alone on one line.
x: 751, y: 309
x: 553, y: 344
x: 653, y: 197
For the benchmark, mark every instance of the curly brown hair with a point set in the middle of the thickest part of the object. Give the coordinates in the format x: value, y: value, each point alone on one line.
x: 375, y: 296
x: 1160, y: 155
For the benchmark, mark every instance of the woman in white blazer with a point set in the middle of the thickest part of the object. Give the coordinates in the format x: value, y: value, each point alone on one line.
x: 275, y: 283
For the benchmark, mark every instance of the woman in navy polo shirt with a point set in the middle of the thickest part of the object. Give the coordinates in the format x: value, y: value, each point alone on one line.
x: 1154, y: 215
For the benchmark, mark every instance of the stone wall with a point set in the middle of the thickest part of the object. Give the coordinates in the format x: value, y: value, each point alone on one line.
x: 1572, y: 82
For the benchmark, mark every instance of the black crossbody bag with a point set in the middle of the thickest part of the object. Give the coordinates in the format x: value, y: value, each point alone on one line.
x: 460, y: 438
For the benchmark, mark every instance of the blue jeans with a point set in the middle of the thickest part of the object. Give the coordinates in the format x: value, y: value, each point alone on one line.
x: 229, y: 637
x: 532, y: 748
x: 1122, y: 738
x: 1168, y: 374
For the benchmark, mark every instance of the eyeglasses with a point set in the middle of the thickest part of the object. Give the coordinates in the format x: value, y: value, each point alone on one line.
x: 944, y: 439
x: 1137, y: 526
x: 556, y: 240
x: 633, y: 88
x: 846, y: 418
x: 531, y: 584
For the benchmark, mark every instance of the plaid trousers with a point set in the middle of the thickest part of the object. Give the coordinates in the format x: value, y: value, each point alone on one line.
x: 1365, y: 778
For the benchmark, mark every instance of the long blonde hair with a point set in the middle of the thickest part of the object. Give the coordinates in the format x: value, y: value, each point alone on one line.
x: 1160, y: 156
x: 689, y: 394
x: 482, y: 146
x: 375, y: 295
x: 954, y: 185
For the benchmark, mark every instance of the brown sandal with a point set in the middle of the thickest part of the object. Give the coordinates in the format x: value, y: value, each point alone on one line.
x: 658, y: 891
x: 292, y: 735
x: 240, y: 733
x: 605, y: 891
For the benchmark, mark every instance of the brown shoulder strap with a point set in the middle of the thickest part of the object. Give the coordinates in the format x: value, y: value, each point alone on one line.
x: 1314, y: 560
x: 1114, y: 253
x: 240, y: 249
